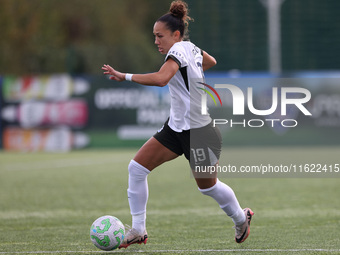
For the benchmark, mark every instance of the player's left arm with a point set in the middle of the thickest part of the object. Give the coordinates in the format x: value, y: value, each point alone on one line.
x: 208, y: 61
x: 160, y: 78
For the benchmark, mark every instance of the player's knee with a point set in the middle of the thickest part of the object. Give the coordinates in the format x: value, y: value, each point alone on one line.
x: 208, y: 188
x: 206, y: 183
x: 137, y: 170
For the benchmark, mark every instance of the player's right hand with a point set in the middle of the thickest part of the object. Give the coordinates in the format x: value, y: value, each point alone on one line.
x: 115, y: 75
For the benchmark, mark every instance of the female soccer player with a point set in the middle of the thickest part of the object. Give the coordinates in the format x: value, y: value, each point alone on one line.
x: 182, y: 71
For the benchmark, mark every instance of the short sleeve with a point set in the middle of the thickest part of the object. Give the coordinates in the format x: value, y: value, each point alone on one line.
x: 177, y: 53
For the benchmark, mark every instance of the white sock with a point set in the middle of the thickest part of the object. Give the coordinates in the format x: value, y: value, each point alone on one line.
x: 226, y: 199
x: 138, y: 193
x: 138, y: 222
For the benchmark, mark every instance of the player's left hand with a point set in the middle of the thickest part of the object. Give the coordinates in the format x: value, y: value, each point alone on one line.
x: 115, y: 75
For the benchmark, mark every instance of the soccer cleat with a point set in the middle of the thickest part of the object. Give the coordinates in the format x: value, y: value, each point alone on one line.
x: 132, y: 237
x: 242, y: 231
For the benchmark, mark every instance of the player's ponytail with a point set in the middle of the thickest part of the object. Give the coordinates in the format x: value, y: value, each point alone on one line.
x: 177, y: 18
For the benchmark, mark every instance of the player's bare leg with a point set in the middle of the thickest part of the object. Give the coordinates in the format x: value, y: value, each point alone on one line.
x: 151, y: 155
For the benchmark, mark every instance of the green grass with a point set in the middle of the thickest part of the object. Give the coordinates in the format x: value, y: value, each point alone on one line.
x: 48, y: 202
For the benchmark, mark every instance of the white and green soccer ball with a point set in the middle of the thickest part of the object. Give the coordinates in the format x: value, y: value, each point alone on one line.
x: 107, y: 233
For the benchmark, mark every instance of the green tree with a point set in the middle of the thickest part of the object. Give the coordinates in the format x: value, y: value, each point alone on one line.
x: 76, y: 36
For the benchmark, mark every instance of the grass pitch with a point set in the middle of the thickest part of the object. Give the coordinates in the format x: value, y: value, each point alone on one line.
x: 49, y: 201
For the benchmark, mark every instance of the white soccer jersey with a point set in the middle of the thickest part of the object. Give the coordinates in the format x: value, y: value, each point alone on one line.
x: 185, y: 111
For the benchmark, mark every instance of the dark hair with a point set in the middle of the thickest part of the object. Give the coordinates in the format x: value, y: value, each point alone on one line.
x: 177, y: 18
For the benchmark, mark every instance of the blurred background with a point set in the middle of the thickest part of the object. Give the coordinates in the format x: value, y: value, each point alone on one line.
x: 55, y: 98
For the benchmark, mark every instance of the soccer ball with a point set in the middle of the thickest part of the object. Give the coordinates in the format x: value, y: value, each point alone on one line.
x: 107, y: 233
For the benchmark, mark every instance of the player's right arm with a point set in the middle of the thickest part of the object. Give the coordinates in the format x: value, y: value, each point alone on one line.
x: 208, y: 61
x: 160, y: 78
